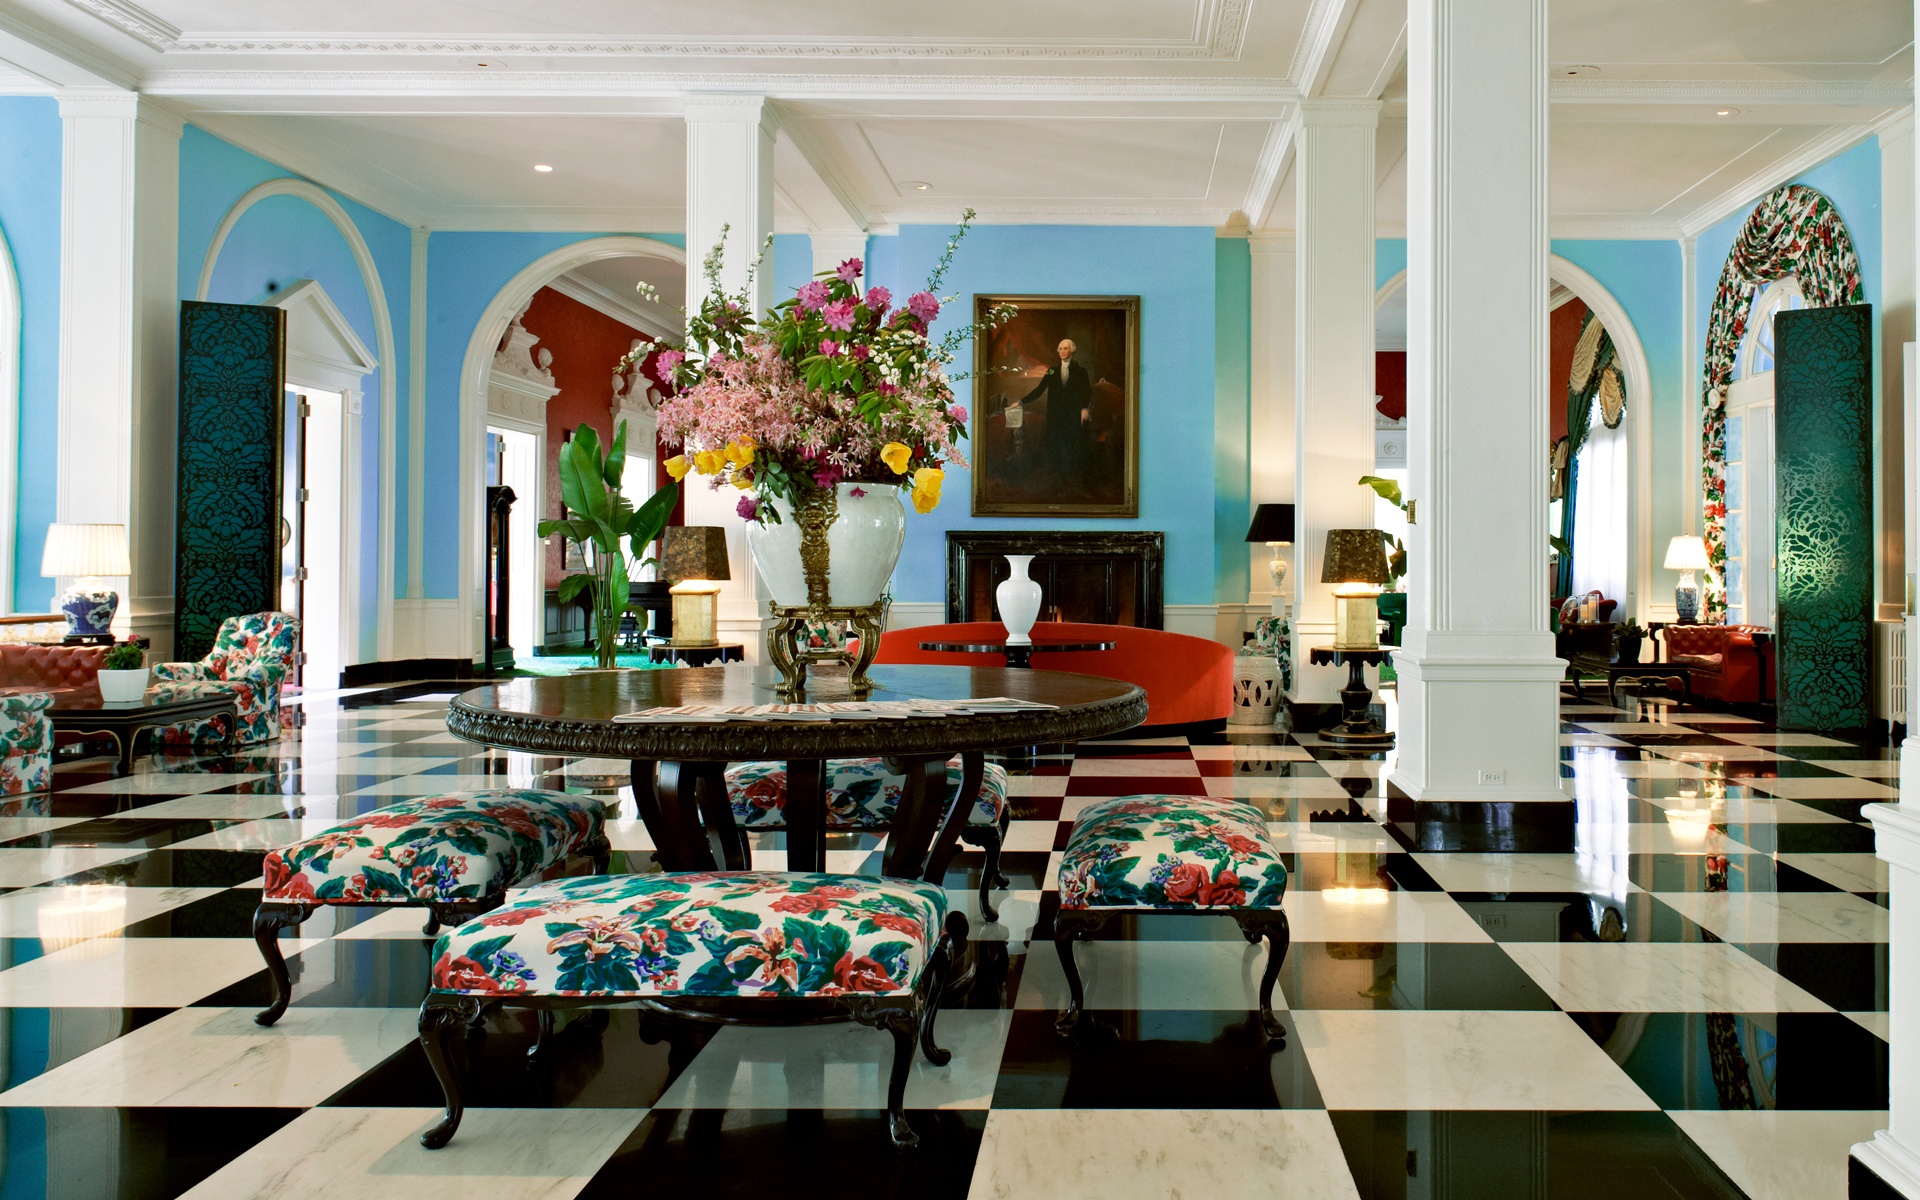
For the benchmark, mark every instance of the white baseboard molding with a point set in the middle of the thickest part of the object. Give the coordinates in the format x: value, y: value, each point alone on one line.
x: 911, y: 614
x: 1194, y: 620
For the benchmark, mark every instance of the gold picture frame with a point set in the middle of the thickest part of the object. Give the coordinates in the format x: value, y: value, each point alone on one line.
x: 1026, y: 461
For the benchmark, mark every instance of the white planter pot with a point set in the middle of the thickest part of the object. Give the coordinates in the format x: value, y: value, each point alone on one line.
x: 1019, y: 600
x: 123, y: 687
x: 863, y: 544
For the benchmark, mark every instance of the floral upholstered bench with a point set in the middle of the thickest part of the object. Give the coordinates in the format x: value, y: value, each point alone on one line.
x: 863, y: 794
x: 1172, y: 854
x: 735, y: 946
x: 454, y: 855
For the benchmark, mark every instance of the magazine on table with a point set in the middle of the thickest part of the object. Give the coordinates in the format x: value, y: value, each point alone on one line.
x: 845, y: 710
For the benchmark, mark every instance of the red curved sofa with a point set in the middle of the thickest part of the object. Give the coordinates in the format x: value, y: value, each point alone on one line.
x: 1187, y: 679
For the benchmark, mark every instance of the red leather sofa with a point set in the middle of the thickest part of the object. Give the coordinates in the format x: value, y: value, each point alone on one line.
x: 1188, y: 680
x: 50, y: 668
x: 1723, y: 662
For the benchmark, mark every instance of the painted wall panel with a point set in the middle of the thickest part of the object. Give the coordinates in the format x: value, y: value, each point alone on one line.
x: 30, y: 138
x: 1232, y: 417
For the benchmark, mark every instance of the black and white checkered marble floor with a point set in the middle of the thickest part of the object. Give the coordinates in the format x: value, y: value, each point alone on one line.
x: 1690, y: 1004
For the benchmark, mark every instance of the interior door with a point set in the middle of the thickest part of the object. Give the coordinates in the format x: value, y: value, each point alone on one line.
x: 293, y: 525
x: 1751, y: 561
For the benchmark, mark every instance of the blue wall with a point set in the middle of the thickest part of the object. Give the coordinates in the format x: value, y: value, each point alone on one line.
x: 1172, y: 270
x: 1232, y: 417
x: 277, y: 242
x: 30, y: 146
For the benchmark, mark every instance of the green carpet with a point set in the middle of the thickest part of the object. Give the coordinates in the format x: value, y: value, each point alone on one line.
x: 566, y: 664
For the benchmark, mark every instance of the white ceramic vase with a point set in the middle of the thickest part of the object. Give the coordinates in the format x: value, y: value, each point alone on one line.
x: 863, y: 544
x: 1019, y: 599
x: 123, y: 687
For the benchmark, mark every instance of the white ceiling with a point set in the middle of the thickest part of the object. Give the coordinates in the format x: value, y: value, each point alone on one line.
x: 1099, y: 111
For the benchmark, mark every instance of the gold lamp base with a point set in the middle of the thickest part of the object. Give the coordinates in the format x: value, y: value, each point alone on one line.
x: 1356, y: 622
x: 694, y: 605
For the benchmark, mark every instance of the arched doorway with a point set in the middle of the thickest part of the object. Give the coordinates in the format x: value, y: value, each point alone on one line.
x: 1637, y: 423
x: 476, y: 373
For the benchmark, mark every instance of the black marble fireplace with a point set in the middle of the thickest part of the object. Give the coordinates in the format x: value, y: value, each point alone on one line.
x: 1105, y: 577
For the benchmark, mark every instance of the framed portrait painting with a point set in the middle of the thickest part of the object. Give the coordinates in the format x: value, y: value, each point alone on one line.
x: 1056, y: 408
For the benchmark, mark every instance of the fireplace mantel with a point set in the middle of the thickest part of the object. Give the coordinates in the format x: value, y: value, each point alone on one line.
x: 1105, y: 577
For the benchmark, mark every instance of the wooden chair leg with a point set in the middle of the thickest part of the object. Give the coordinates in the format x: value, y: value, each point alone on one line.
x: 268, y: 920
x: 439, y: 1017
x: 1278, y: 934
x: 901, y: 1019
x: 948, y: 955
x: 1069, y: 924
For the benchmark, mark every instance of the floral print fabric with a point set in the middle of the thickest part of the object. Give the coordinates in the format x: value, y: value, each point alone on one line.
x: 731, y: 933
x: 461, y: 846
x: 1171, y: 852
x: 860, y: 793
x: 26, y: 743
x: 250, y: 657
x: 1795, y: 231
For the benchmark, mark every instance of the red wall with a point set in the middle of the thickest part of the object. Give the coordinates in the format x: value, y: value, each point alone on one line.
x: 1390, y: 382
x: 586, y: 345
x: 1563, y: 326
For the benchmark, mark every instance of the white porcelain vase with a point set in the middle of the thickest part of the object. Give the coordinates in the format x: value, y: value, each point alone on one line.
x: 123, y: 687
x: 863, y: 544
x: 1019, y: 599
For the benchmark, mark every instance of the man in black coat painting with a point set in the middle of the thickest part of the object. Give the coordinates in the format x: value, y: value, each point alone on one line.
x: 1068, y: 392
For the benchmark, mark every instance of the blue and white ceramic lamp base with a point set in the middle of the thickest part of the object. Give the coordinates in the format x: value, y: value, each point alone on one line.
x: 89, y: 611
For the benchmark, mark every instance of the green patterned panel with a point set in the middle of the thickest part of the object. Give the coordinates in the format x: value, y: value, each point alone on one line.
x: 1823, y: 527
x: 232, y: 389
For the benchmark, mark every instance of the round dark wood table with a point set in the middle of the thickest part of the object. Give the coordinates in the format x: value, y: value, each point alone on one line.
x: 678, y: 765
x: 1016, y: 655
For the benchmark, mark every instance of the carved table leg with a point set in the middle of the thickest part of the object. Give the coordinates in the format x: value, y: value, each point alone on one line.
x: 806, y: 814
x: 728, y: 840
x: 915, y: 822
x: 678, y: 793
x: 959, y: 814
x: 664, y: 821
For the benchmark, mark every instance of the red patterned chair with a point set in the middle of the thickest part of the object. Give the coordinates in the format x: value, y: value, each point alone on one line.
x: 1188, y: 680
x: 1723, y: 662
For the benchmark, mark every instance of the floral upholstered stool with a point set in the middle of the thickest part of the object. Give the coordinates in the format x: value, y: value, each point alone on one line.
x: 454, y: 855
x: 738, y: 946
x: 863, y: 794
x: 1172, y: 854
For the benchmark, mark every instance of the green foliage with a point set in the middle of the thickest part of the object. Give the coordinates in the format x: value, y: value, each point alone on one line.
x: 601, y: 518
x: 124, y: 658
x: 1389, y: 490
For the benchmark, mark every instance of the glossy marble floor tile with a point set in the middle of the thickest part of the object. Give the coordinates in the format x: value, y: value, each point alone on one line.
x: 21, y: 867
x: 64, y: 915
x: 1782, y: 1155
x: 1658, y: 977
x: 1157, y: 975
x: 1499, y: 872
x: 1377, y: 915
x: 132, y: 972
x: 1848, y: 872
x: 1743, y: 917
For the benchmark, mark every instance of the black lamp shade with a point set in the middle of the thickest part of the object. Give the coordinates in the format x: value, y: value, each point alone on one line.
x: 1271, y: 523
x: 1354, y: 556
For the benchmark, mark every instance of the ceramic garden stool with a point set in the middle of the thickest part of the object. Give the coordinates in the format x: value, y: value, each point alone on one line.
x: 454, y: 855
x: 863, y: 794
x: 1168, y: 855
x: 740, y: 947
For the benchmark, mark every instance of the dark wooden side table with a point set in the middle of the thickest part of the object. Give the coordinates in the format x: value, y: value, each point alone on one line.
x: 697, y: 656
x: 81, y: 711
x: 1356, y: 727
x: 678, y: 765
x: 1016, y: 655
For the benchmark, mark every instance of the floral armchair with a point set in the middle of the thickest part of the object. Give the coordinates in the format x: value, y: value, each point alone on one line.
x: 250, y: 657
x: 26, y: 743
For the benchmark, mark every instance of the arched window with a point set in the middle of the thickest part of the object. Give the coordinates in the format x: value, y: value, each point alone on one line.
x: 1756, y: 345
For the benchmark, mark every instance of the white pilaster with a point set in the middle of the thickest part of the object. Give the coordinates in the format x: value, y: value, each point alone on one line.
x: 730, y: 183
x: 1478, y: 679
x: 119, y: 325
x: 1333, y: 361
x: 1896, y: 317
x: 1894, y: 1152
x: 831, y: 248
x: 1271, y: 419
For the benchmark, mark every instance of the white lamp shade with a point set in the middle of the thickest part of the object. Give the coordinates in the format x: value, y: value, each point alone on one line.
x: 1687, y: 554
x: 88, y: 551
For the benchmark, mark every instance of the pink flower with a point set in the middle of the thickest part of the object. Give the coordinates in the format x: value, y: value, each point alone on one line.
x: 923, y: 306
x: 829, y: 347
x: 857, y: 492
x: 860, y: 352
x: 878, y: 298
x: 957, y: 412
x: 813, y: 296
x: 668, y: 360
x: 850, y: 270
x: 828, y: 475
x: 838, y: 315
x: 748, y: 508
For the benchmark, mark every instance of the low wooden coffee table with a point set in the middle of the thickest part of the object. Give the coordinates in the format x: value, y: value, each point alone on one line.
x: 81, y: 711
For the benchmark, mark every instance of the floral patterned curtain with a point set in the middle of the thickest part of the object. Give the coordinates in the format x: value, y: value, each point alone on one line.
x: 1795, y: 231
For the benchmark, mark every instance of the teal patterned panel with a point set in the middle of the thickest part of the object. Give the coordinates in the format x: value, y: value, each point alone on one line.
x: 232, y: 388
x: 1823, y: 530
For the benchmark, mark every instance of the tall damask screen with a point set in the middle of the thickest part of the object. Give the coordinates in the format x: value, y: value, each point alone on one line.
x: 1823, y: 529
x: 232, y: 387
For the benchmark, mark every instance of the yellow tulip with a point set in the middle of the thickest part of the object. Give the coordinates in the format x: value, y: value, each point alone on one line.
x: 678, y: 466
x: 709, y: 462
x: 740, y: 453
x: 926, y: 488
x: 896, y: 456
x: 743, y: 481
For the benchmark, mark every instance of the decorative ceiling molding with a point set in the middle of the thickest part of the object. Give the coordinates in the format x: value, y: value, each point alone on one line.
x: 1219, y: 30
x: 1732, y: 92
x: 1320, y: 38
x: 832, y: 173
x: 1745, y: 193
x: 654, y: 320
x: 1269, y: 172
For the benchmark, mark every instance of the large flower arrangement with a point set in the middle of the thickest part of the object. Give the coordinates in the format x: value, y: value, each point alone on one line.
x: 835, y: 385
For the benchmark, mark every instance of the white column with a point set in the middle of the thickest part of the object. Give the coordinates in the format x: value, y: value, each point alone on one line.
x: 1270, y: 421
x: 1333, y: 362
x: 730, y: 183
x: 833, y: 247
x: 119, y: 323
x: 1896, y: 317
x: 1478, y: 680
x: 1894, y: 1152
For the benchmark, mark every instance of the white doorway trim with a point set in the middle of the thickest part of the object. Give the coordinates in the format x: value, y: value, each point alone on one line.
x: 389, y: 364
x: 1633, y: 363
x: 475, y: 370
x: 12, y: 354
x: 324, y: 354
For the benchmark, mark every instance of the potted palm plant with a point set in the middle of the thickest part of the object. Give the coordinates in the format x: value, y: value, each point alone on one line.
x: 1393, y: 601
x: 603, y: 523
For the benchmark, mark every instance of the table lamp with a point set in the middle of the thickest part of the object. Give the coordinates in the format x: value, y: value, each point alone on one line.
x: 1273, y: 524
x: 1356, y: 565
x: 694, y: 560
x: 1687, y: 554
x: 90, y: 555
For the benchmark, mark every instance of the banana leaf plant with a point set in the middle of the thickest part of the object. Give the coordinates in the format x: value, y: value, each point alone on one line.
x: 599, y: 519
x: 1389, y: 490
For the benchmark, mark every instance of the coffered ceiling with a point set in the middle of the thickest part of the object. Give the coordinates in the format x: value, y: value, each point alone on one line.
x: 1666, y: 112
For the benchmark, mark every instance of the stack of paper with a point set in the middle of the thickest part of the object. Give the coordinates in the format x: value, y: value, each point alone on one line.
x: 845, y: 710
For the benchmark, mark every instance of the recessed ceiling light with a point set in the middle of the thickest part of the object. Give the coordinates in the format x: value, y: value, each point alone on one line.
x: 916, y: 184
x: 542, y: 168
x: 1727, y: 112
x: 1577, y: 69
x: 479, y: 64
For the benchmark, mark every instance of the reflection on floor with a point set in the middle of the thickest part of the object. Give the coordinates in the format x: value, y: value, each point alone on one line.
x: 1690, y: 1004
